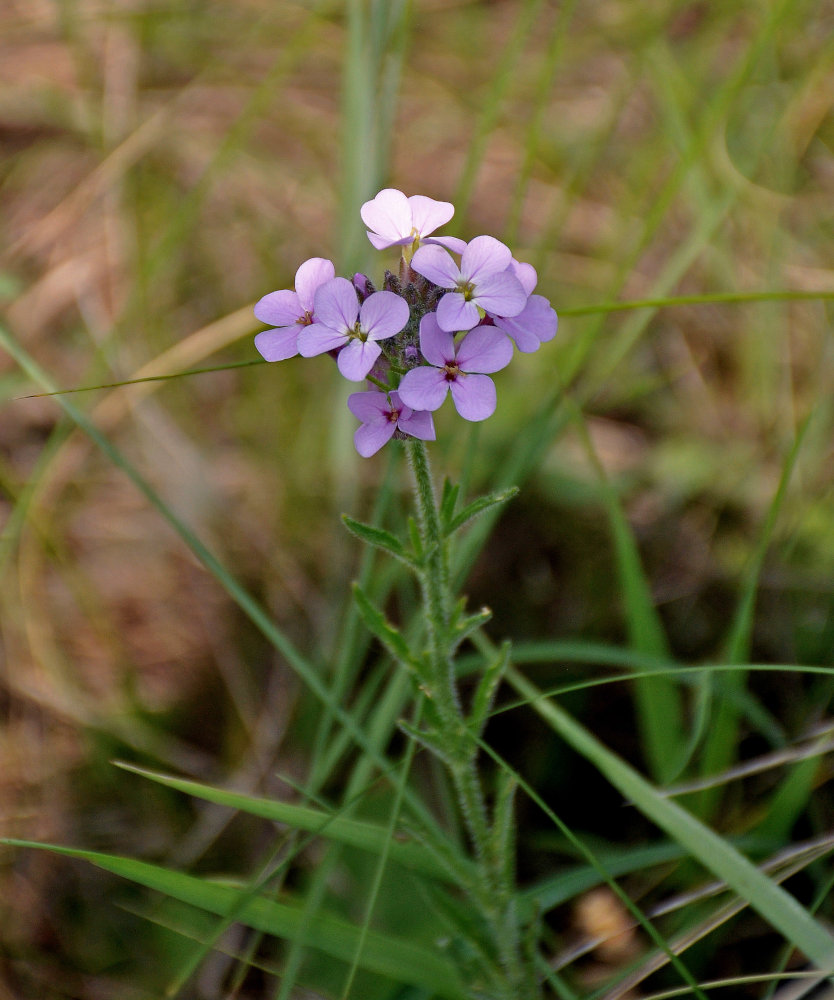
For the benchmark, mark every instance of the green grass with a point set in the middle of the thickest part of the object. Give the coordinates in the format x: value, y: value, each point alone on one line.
x: 176, y: 577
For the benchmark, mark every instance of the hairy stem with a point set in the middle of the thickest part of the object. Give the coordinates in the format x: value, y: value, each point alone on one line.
x: 497, y: 889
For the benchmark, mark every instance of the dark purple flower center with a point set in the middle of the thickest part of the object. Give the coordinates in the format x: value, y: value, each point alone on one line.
x: 393, y: 416
x: 452, y: 371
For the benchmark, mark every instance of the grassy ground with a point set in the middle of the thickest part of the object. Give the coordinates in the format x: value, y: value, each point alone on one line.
x: 669, y: 169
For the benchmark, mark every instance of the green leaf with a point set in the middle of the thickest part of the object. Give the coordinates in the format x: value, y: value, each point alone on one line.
x: 416, y: 540
x: 567, y: 884
x: 452, y: 746
x: 388, y: 635
x: 355, y: 833
x: 487, y: 686
x: 379, y: 538
x: 462, y: 628
x: 478, y: 507
x: 448, y: 501
x: 772, y: 902
x: 400, y: 960
x: 503, y: 831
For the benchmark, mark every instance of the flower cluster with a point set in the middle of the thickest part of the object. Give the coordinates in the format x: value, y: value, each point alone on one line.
x: 437, y: 327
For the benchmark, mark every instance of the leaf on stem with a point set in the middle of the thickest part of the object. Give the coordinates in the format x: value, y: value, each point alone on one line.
x: 502, y: 834
x: 448, y: 501
x: 487, y: 687
x: 478, y: 507
x: 447, y: 855
x: 379, y: 538
x: 388, y: 635
x: 436, y: 742
x: 463, y: 627
x: 416, y: 540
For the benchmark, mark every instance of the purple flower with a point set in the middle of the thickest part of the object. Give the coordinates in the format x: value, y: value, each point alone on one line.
x: 381, y: 416
x: 341, y: 323
x: 462, y: 369
x: 537, y: 322
x: 484, y: 281
x: 394, y: 220
x: 291, y: 311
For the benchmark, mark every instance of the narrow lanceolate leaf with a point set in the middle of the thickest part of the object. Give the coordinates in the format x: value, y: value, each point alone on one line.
x: 502, y: 834
x: 352, y: 832
x: 416, y: 540
x: 399, y: 959
x: 379, y: 538
x: 378, y: 625
x: 435, y: 742
x: 448, y: 501
x: 478, y: 507
x: 464, y: 626
x: 770, y: 900
x: 487, y: 686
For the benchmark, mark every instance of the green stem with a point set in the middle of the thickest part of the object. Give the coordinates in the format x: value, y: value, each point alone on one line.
x: 435, y: 582
x: 496, y: 874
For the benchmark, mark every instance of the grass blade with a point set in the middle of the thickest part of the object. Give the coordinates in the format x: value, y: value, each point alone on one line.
x: 772, y: 902
x: 400, y: 960
x: 351, y: 832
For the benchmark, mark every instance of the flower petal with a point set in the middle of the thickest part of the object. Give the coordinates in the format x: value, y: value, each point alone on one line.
x: 369, y: 438
x: 388, y: 215
x: 383, y: 314
x: 535, y: 324
x: 474, y: 396
x: 436, y: 345
x: 485, y: 349
x: 544, y: 316
x: 434, y: 263
x: 525, y: 341
x: 369, y: 407
x: 452, y: 243
x: 424, y: 388
x: 309, y: 277
x: 318, y: 338
x: 526, y: 274
x: 455, y: 313
x: 336, y: 305
x: 417, y: 423
x: 484, y: 255
x: 384, y: 242
x: 282, y: 308
x: 428, y: 214
x: 500, y: 294
x: 278, y: 345
x: 357, y: 359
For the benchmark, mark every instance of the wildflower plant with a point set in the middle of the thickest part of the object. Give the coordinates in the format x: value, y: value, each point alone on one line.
x: 436, y: 326
x: 447, y: 320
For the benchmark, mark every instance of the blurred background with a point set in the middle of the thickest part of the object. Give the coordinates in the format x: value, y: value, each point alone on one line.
x: 165, y: 164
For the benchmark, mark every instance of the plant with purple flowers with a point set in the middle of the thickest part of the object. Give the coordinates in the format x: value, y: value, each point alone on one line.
x: 436, y: 328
